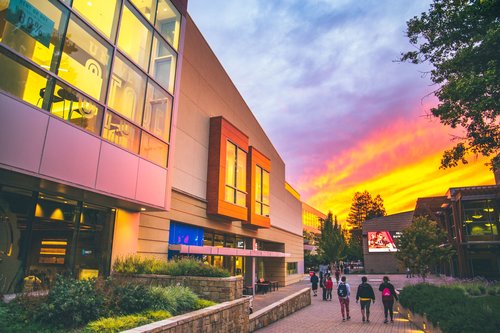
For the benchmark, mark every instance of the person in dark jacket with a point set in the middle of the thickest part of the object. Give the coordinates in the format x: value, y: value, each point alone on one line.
x: 388, y: 296
x: 314, y: 284
x: 365, y: 295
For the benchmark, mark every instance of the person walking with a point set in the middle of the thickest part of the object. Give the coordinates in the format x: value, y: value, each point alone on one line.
x: 343, y: 292
x: 322, y: 281
x: 388, y: 296
x: 337, y: 275
x: 329, y: 288
x: 314, y: 284
x: 365, y: 295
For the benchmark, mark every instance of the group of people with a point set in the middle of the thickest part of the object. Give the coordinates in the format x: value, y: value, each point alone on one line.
x: 364, y: 295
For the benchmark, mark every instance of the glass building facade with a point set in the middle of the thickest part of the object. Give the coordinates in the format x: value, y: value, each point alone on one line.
x: 105, y: 66
x: 108, y: 68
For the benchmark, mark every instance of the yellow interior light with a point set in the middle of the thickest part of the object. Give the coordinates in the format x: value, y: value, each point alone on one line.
x: 55, y: 242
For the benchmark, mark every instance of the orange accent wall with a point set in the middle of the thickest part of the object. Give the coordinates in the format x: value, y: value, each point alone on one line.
x: 255, y: 158
x: 220, y: 131
x: 126, y: 234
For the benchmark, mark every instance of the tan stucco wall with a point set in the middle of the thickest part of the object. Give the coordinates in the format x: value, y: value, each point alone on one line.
x: 125, y: 235
x: 154, y: 232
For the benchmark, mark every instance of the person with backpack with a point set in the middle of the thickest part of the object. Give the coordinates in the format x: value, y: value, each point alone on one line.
x: 365, y: 294
x: 388, y: 296
x: 343, y: 292
x: 314, y: 284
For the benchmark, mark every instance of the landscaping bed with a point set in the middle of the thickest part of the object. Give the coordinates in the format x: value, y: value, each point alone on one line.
x: 455, y: 308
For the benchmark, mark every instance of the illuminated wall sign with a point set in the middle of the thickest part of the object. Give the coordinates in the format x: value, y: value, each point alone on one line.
x: 382, y: 241
x: 30, y: 20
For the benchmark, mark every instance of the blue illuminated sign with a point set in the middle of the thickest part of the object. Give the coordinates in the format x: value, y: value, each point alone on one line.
x: 30, y: 20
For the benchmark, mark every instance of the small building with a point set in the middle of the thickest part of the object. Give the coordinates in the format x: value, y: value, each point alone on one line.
x: 378, y: 242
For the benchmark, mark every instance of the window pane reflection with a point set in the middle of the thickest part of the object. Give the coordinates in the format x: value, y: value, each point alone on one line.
x: 147, y: 8
x: 154, y: 150
x: 40, y: 46
x: 241, y: 167
x: 135, y: 38
x: 168, y: 22
x: 163, y: 64
x: 102, y: 14
x: 21, y: 82
x: 85, y: 60
x: 76, y: 108
x: 121, y: 132
x: 127, y: 90
x: 230, y: 164
x: 158, y: 112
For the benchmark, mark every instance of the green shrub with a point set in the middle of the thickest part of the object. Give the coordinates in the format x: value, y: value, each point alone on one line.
x: 175, y: 299
x: 116, y: 324
x: 482, y: 289
x: 71, y: 303
x: 475, y: 291
x: 203, y: 303
x: 492, y: 290
x: 453, y: 310
x: 130, y: 298
x: 136, y: 264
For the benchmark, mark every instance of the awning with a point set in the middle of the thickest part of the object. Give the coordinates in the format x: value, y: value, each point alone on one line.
x: 225, y: 251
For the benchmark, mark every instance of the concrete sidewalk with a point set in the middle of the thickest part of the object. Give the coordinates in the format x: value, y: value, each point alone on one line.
x: 325, y: 315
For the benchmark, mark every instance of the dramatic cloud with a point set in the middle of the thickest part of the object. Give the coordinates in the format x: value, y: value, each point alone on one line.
x: 322, y: 80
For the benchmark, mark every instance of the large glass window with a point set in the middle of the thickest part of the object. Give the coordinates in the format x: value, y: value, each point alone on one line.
x: 154, y: 150
x: 146, y: 7
x: 70, y: 105
x: 158, y: 112
x: 236, y: 160
x: 261, y: 191
x: 121, y: 132
x: 127, y: 90
x: 21, y: 82
x: 85, y: 60
x: 102, y: 14
x: 135, y: 38
x: 34, y: 36
x: 480, y: 217
x: 168, y: 22
x: 162, y: 66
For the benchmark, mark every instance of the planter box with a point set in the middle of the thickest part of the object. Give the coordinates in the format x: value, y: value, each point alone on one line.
x: 225, y: 317
x: 418, y: 320
x: 215, y: 289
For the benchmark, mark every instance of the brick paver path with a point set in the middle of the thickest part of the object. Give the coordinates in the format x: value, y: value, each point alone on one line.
x: 325, y: 316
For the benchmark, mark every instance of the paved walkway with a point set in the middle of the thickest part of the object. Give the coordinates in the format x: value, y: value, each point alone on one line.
x: 323, y: 316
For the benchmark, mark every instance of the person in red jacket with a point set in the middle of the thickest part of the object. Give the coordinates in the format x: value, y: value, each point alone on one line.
x: 329, y: 288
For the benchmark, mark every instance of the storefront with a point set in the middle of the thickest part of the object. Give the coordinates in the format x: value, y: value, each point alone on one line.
x: 43, y: 235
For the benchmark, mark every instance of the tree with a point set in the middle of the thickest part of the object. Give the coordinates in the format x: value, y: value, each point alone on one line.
x: 363, y: 208
x: 332, y: 241
x: 422, y: 245
x: 461, y: 40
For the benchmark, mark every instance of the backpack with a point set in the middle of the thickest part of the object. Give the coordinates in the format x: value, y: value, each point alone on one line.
x: 342, y: 290
x: 386, y: 294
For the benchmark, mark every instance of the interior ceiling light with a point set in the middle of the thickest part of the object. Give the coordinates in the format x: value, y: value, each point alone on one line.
x: 468, y: 221
x: 489, y: 210
x: 477, y: 216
